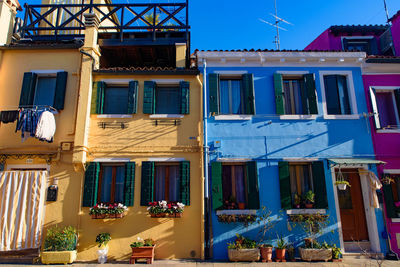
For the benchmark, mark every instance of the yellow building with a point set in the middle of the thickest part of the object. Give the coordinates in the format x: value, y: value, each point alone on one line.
x: 127, y: 109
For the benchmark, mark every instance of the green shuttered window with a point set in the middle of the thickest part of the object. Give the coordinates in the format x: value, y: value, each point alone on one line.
x: 298, y: 179
x: 295, y: 94
x: 165, y: 181
x: 163, y: 99
x: 43, y: 90
x: 235, y: 185
x: 231, y: 95
x: 103, y: 184
x: 389, y: 200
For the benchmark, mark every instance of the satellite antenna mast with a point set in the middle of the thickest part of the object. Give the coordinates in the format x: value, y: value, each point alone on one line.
x: 386, y: 10
x: 278, y: 20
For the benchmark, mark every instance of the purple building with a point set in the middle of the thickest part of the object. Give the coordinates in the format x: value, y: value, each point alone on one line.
x: 381, y: 77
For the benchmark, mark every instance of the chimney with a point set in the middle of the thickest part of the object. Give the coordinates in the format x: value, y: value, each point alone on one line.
x: 8, y: 12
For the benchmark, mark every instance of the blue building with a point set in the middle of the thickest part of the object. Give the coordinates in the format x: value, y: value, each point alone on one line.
x: 281, y: 124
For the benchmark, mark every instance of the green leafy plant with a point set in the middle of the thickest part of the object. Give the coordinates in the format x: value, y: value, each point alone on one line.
x: 61, y: 239
x: 309, y: 197
x: 103, y: 239
x: 281, y: 244
x: 267, y: 222
x: 246, y: 219
x: 343, y: 182
x: 242, y: 242
x: 336, y: 252
x: 297, y: 200
x: 143, y: 243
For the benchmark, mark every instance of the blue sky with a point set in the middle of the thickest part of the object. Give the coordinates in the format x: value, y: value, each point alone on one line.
x: 234, y: 24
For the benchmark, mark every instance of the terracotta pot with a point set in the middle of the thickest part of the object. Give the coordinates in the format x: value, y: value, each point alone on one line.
x: 142, y: 253
x: 93, y: 216
x: 178, y: 215
x: 280, y: 254
x: 101, y: 216
x: 266, y: 254
x: 297, y: 206
x: 241, y: 206
x: 119, y: 215
x: 309, y: 205
x: 159, y: 215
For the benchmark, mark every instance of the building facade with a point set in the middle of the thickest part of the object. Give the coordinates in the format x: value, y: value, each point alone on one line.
x: 381, y: 80
x: 274, y: 132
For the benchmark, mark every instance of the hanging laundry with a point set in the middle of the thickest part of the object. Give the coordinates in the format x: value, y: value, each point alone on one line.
x: 9, y: 116
x: 27, y: 122
x: 46, y: 127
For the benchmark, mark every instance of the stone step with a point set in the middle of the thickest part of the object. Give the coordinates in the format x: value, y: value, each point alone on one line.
x: 364, y: 256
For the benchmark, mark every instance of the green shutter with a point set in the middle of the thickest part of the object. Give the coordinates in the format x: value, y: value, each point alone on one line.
x: 311, y: 93
x: 216, y: 181
x: 318, y: 173
x: 61, y: 86
x: 185, y: 97
x: 184, y: 194
x: 397, y: 96
x: 132, y: 97
x: 97, y: 98
x: 129, y: 186
x: 91, y: 184
x: 28, y: 89
x: 253, y: 193
x: 149, y: 97
x: 248, y: 90
x: 303, y: 95
x: 213, y: 86
x: 389, y: 201
x: 147, y: 186
x: 279, y: 98
x: 284, y: 184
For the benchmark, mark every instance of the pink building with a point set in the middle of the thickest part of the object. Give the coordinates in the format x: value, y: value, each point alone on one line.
x: 381, y: 77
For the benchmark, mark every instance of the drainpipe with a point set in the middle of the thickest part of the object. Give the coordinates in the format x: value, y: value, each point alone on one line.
x: 206, y: 150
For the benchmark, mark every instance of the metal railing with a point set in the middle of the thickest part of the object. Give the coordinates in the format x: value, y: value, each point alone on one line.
x: 58, y: 20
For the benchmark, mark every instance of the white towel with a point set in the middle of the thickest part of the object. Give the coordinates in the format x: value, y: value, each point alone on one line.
x: 46, y: 127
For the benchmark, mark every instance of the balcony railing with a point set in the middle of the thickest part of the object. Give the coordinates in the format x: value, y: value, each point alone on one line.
x: 57, y: 21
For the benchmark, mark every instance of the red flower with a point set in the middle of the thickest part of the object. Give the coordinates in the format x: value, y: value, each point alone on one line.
x: 169, y: 205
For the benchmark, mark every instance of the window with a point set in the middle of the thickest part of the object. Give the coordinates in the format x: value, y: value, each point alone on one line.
x: 166, y: 99
x: 165, y: 181
x: 43, y: 90
x: 295, y: 94
x: 391, y: 195
x: 231, y: 94
x: 385, y: 104
x: 114, y: 98
x: 109, y: 183
x: 235, y: 185
x: 297, y: 179
x: 337, y: 95
x: 368, y: 45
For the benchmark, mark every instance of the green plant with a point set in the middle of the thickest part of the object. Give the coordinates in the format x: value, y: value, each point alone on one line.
x: 103, y: 239
x: 297, y: 200
x: 336, y: 252
x: 242, y: 242
x: 343, y: 182
x: 267, y: 222
x: 61, y: 239
x: 143, y: 243
x: 309, y: 197
x: 312, y: 225
x: 149, y: 17
x: 281, y: 244
x: 265, y: 246
x: 246, y: 219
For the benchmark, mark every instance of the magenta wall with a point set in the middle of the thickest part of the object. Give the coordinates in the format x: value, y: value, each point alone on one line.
x: 386, y: 145
x: 396, y: 34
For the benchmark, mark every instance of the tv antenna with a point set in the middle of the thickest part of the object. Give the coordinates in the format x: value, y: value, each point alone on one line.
x: 278, y: 20
x: 386, y: 10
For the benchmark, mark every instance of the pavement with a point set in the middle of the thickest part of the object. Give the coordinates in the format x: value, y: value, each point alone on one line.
x: 184, y: 263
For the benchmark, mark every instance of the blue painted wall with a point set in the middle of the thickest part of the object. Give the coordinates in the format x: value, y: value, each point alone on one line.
x: 267, y: 140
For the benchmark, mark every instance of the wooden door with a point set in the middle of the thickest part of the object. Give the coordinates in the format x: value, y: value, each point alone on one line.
x: 352, y: 213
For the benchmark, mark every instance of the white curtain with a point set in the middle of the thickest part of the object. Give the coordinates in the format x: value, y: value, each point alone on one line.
x: 22, y: 196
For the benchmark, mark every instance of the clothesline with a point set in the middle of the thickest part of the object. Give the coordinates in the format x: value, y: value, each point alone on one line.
x: 27, y: 106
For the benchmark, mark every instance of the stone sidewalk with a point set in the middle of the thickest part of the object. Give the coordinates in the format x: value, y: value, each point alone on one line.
x: 183, y: 263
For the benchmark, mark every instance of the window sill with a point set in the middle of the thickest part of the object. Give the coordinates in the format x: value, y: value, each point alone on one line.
x: 341, y: 117
x: 114, y: 116
x: 166, y: 116
x: 396, y: 220
x: 298, y: 117
x: 236, y: 212
x: 233, y: 117
x: 305, y: 211
x: 388, y: 131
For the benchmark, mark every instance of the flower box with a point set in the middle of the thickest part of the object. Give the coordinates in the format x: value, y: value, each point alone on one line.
x: 58, y: 257
x: 310, y: 254
x: 142, y: 253
x: 251, y: 254
x: 175, y: 215
x: 161, y: 209
x: 158, y: 215
x: 110, y: 211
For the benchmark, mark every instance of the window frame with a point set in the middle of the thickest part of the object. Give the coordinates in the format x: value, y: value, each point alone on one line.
x: 375, y: 107
x: 368, y: 40
x: 114, y: 178
x: 166, y: 189
x: 166, y: 85
x: 309, y: 164
x: 231, y: 77
x: 116, y: 85
x: 243, y: 164
x: 44, y: 75
x: 351, y: 92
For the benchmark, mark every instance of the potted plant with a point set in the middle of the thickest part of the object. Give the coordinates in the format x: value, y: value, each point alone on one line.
x: 243, y: 249
x: 102, y: 240
x: 309, y: 199
x: 143, y: 249
x: 175, y: 209
x: 336, y: 252
x: 280, y: 249
x: 60, y: 246
x: 297, y: 201
x: 316, y: 252
x: 157, y: 209
x: 266, y: 252
x: 267, y: 222
x: 342, y: 185
x: 290, y: 253
x: 103, y: 211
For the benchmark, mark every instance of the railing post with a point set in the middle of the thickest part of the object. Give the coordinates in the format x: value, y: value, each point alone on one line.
x: 57, y: 20
x: 25, y: 20
x: 154, y: 23
x: 122, y: 24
